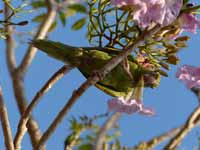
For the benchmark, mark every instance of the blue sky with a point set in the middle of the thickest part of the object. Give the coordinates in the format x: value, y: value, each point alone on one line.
x: 172, y: 101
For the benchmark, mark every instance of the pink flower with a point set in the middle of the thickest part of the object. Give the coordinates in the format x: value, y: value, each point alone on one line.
x: 145, y: 12
x: 189, y: 75
x: 119, y: 104
x: 189, y: 22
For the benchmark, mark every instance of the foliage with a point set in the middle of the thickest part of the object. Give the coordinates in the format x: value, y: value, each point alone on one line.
x: 84, y: 132
x: 14, y: 12
x: 63, y: 14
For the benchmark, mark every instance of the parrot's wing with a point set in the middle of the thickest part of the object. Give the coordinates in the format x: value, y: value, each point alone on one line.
x: 111, y: 51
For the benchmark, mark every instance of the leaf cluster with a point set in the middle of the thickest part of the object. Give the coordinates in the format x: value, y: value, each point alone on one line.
x: 109, y: 26
x: 84, y: 132
x: 63, y: 14
x: 13, y: 13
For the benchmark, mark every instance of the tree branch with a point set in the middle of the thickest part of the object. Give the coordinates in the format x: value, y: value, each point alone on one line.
x: 91, y: 81
x: 104, y: 129
x: 25, y: 117
x: 189, y: 125
x: 5, y: 124
x: 10, y: 56
x: 32, y: 125
x: 159, y: 139
x: 41, y: 33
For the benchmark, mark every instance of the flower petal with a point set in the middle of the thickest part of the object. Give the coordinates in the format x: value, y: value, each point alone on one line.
x: 190, y: 75
x: 145, y: 12
x: 131, y: 106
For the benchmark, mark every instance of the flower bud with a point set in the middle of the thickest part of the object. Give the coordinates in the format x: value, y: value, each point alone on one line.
x: 22, y: 23
x: 182, y: 38
x: 172, y: 59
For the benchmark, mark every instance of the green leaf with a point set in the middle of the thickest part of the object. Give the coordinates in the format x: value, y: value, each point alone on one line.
x: 62, y: 17
x: 53, y: 26
x: 38, y: 4
x: 39, y: 18
x: 78, y: 8
x: 69, y: 13
x: 185, y: 1
x: 86, y: 146
x: 79, y: 24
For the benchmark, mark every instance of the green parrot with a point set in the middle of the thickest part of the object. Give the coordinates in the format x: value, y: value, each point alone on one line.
x: 118, y: 83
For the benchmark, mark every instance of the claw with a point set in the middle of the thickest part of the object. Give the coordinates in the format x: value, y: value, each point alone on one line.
x: 100, y: 75
x: 126, y: 67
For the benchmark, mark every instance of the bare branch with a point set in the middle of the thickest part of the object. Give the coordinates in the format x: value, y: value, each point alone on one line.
x: 41, y: 33
x: 76, y: 94
x: 91, y: 81
x: 32, y: 125
x: 189, y: 125
x: 5, y: 124
x: 104, y: 129
x: 159, y: 139
x: 10, y: 56
x: 24, y: 119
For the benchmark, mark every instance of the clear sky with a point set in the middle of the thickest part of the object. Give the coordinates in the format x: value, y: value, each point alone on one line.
x: 172, y: 101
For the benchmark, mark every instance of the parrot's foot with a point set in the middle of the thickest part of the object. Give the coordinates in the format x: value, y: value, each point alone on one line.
x: 126, y: 67
x: 99, y: 74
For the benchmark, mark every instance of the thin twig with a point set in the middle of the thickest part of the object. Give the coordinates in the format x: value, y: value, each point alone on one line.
x: 76, y: 94
x: 104, y: 129
x: 5, y: 124
x: 32, y: 125
x: 41, y: 34
x: 189, y: 125
x: 171, y: 133
x: 91, y: 81
x: 10, y: 56
x: 157, y: 140
x: 24, y: 119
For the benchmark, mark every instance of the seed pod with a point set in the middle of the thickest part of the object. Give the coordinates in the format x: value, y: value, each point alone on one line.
x: 163, y: 73
x: 22, y: 23
x: 180, y: 44
x: 164, y: 65
x: 182, y: 38
x: 172, y: 59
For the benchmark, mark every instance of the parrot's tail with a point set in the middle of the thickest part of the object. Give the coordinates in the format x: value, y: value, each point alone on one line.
x: 55, y: 49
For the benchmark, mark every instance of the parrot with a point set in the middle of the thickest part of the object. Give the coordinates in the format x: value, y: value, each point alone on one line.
x: 118, y: 83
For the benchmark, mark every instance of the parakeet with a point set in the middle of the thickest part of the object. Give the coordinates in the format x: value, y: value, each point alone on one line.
x: 117, y: 83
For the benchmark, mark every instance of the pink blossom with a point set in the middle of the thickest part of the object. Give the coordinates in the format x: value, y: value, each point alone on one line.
x: 189, y: 22
x: 145, y: 12
x: 119, y: 104
x: 190, y: 75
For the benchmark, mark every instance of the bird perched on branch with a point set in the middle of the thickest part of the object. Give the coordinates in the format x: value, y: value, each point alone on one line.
x: 119, y: 82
